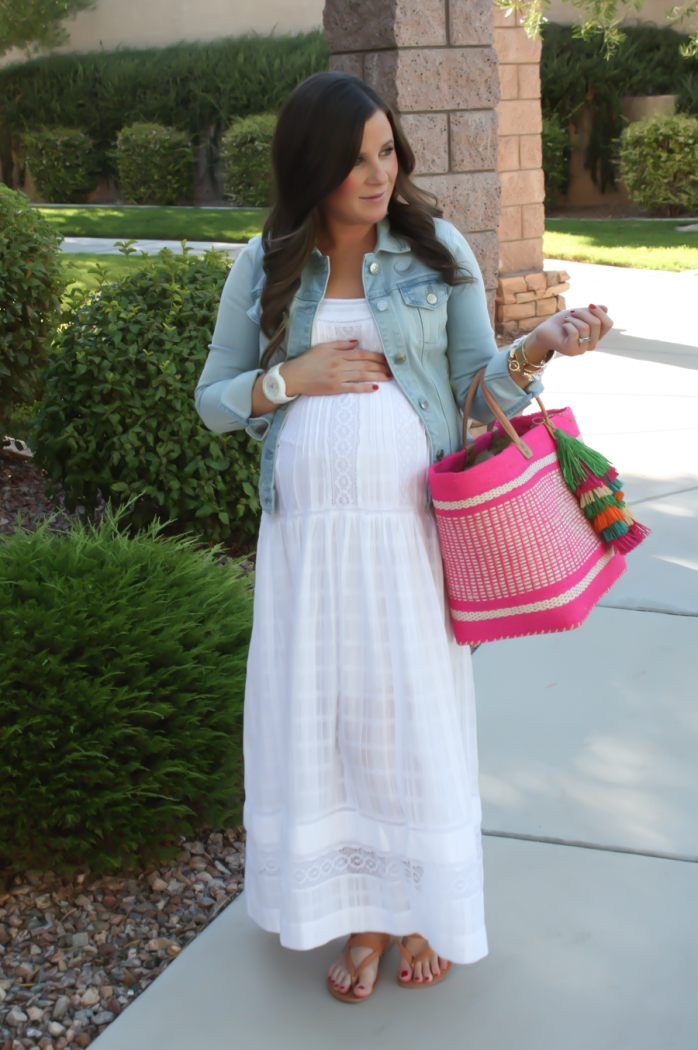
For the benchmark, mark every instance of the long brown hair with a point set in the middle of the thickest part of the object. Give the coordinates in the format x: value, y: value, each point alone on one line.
x: 317, y: 140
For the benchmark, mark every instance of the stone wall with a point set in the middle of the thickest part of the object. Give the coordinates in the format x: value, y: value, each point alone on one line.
x: 523, y: 295
x: 434, y: 62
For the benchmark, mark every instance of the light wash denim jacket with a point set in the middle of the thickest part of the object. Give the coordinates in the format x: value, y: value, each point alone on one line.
x: 435, y: 338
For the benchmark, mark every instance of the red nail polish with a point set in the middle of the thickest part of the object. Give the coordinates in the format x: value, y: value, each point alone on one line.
x: 591, y: 306
x: 571, y: 311
x: 375, y: 386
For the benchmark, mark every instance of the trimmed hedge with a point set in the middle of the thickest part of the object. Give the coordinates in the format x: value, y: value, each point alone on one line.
x: 246, y: 156
x: 155, y: 164
x: 557, y: 148
x: 62, y: 163
x: 122, y: 670
x: 198, y: 88
x: 118, y: 413
x: 658, y: 161
x: 31, y: 285
x: 576, y: 73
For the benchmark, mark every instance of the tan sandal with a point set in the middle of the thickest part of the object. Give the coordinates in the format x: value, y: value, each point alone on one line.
x: 420, y: 957
x: 380, y: 946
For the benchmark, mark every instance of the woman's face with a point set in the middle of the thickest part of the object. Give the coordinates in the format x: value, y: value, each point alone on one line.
x: 364, y: 195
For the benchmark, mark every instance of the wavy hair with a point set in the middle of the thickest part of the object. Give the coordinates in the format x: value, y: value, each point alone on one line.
x: 315, y: 145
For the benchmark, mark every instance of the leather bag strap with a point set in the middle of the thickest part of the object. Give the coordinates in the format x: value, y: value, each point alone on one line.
x: 479, y: 380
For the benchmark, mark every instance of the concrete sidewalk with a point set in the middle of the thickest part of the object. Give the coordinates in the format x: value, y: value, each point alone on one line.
x: 107, y: 246
x: 589, y: 780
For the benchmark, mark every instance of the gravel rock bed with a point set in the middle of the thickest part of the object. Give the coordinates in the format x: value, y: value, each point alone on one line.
x: 73, y: 955
x: 22, y: 489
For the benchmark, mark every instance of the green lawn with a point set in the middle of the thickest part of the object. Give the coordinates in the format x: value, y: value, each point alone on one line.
x: 171, y: 224
x: 645, y: 245
x: 78, y: 267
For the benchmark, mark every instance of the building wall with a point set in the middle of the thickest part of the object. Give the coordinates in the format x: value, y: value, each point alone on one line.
x: 156, y: 23
x: 651, y: 11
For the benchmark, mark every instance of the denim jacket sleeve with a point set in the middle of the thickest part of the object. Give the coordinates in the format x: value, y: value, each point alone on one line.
x: 223, y: 395
x: 471, y: 342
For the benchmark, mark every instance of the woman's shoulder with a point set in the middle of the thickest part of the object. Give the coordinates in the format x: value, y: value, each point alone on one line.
x: 451, y: 236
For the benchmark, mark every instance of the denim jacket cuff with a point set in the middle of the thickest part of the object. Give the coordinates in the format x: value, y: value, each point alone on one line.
x: 236, y: 400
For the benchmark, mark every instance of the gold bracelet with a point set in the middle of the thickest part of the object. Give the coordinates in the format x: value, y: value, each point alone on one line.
x: 533, y: 365
x: 518, y: 362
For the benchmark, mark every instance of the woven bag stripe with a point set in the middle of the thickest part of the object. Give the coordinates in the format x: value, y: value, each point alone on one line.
x: 501, y: 490
x: 542, y: 606
x: 534, y: 538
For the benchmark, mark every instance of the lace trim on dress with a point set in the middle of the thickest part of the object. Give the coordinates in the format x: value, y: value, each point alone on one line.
x: 455, y: 882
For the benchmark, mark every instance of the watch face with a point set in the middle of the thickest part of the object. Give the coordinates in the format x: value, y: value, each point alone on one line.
x: 271, y: 387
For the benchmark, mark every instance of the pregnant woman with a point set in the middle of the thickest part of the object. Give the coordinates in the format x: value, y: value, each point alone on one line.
x: 346, y: 339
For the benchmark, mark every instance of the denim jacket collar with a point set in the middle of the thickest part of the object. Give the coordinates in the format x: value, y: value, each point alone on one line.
x: 386, y: 242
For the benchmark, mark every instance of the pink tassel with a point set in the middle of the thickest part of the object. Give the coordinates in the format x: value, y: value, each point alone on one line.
x: 632, y: 538
x: 592, y: 482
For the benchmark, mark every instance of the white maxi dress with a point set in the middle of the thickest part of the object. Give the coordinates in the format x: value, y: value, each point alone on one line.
x: 362, y: 807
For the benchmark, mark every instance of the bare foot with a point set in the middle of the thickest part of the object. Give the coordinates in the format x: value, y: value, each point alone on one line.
x: 341, y: 978
x: 423, y: 971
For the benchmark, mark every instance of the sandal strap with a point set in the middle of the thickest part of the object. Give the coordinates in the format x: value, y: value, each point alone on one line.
x: 419, y: 957
x: 364, y: 940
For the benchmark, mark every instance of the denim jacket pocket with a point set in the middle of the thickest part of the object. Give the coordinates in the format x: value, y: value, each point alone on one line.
x: 429, y: 301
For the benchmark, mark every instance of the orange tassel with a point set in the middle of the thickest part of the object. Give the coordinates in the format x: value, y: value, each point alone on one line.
x: 607, y: 517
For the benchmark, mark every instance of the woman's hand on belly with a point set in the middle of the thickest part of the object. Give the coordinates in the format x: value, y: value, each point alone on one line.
x: 335, y: 368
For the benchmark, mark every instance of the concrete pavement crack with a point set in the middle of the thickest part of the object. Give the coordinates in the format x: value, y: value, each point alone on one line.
x: 591, y: 845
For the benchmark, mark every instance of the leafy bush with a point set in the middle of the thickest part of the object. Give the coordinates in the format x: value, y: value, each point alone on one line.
x: 659, y: 163
x: 62, y: 163
x: 575, y: 73
x: 198, y: 87
x: 122, y: 669
x: 118, y: 413
x: 155, y: 164
x: 31, y: 284
x: 246, y: 156
x: 556, y: 157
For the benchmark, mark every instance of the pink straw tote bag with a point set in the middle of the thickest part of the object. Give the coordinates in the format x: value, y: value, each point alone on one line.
x: 520, y: 557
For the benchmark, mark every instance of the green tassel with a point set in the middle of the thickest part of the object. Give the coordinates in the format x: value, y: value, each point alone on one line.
x: 614, y: 486
x: 592, y: 509
x: 574, y: 456
x: 618, y: 528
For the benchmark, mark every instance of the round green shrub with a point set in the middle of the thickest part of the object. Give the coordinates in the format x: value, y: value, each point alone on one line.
x: 155, y: 164
x: 557, y: 148
x: 31, y: 284
x: 118, y: 413
x: 658, y: 161
x: 122, y: 669
x: 63, y: 164
x: 246, y: 157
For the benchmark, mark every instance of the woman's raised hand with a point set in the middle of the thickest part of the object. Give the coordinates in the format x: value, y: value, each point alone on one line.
x: 335, y: 368
x: 572, y: 332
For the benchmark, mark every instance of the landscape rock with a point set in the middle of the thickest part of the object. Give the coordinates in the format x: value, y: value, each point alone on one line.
x: 96, y: 943
x: 60, y: 1007
x: 16, y: 1017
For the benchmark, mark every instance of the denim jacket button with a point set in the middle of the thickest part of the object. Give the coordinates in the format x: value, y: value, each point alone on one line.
x: 400, y: 359
x: 440, y: 454
x: 431, y: 298
x: 382, y: 304
x: 423, y: 403
x: 374, y: 267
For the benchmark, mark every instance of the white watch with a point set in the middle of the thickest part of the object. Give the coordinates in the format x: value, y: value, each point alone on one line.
x: 274, y: 387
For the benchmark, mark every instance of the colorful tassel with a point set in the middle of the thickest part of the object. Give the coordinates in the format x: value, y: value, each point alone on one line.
x: 595, y: 483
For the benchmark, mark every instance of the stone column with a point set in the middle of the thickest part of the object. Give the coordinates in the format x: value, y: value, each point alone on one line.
x: 525, y: 294
x: 434, y: 63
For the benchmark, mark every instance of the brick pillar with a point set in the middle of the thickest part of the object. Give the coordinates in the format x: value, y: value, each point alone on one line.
x: 525, y: 293
x: 434, y: 62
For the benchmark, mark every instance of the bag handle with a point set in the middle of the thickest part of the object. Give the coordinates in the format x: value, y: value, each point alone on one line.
x: 479, y: 379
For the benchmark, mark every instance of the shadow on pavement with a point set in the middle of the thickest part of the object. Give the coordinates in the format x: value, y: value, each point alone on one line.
x: 680, y: 355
